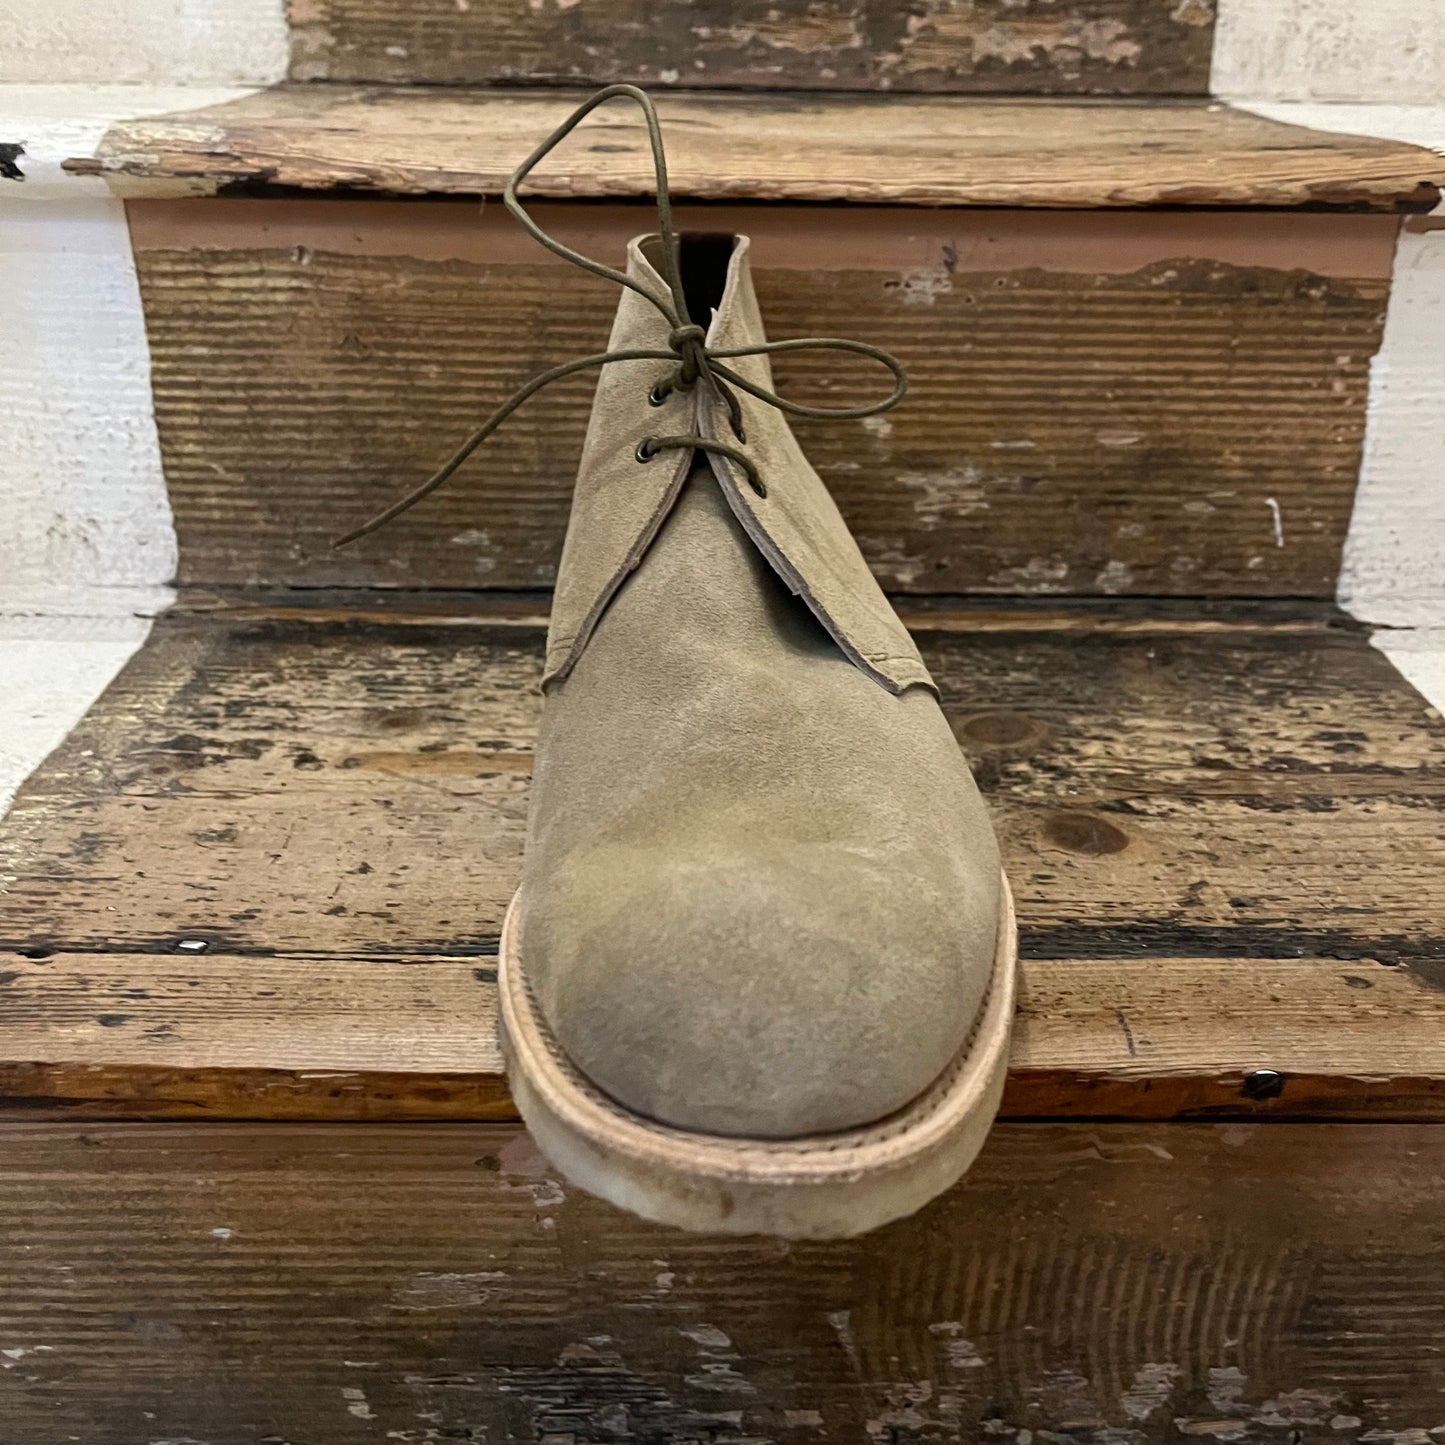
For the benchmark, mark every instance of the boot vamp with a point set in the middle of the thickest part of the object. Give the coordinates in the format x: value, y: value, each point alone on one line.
x: 761, y: 893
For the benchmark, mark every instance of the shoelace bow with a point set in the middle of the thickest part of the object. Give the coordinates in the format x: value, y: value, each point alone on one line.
x: 686, y: 340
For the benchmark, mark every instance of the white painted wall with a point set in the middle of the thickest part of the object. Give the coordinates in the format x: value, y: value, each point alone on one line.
x: 1419, y: 654
x: 1394, y: 566
x: 53, y: 669
x: 86, y: 541
x: 143, y: 42
x: 1386, y: 51
x: 1394, y: 563
x: 86, y: 525
x: 1393, y: 572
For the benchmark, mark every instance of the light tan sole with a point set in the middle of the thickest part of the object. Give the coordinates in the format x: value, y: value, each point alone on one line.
x: 824, y: 1187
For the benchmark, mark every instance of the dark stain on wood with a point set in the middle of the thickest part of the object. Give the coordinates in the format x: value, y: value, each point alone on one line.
x: 1083, y: 833
x: 1430, y: 971
x: 1067, y: 432
x: 1099, y: 1284
x: 1120, y: 47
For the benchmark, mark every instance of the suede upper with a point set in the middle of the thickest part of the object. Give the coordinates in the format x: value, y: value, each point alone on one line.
x: 619, y: 503
x: 761, y: 893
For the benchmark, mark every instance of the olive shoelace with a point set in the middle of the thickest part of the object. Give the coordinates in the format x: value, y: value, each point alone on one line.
x: 696, y: 361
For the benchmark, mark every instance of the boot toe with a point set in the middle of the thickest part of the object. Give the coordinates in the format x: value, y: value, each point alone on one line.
x: 755, y: 997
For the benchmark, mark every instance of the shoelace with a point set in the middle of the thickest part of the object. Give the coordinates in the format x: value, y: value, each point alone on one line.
x: 686, y: 340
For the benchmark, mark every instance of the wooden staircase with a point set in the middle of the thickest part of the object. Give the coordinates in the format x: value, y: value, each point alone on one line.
x: 263, y: 1180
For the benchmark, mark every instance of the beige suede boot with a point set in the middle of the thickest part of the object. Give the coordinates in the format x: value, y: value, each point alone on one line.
x: 759, y: 974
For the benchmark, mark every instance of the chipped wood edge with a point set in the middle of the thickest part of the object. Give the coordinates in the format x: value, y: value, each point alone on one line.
x: 443, y: 607
x: 203, y: 153
x: 315, y: 1038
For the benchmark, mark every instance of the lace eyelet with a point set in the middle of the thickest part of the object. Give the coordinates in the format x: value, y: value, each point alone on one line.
x: 740, y: 433
x: 657, y: 396
x: 645, y: 451
x: 757, y: 485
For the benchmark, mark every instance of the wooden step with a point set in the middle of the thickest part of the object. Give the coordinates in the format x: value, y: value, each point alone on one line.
x: 1135, y: 403
x: 264, y: 878
x: 1122, y: 47
x: 909, y: 150
x: 1089, y: 1283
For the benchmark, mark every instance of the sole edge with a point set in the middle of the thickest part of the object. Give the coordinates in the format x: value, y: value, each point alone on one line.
x: 825, y: 1187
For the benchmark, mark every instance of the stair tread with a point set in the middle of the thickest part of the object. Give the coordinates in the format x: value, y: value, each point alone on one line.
x: 1221, y: 827
x: 888, y: 149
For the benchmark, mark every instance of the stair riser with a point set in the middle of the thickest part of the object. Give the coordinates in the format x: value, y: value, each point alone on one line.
x: 1116, y: 47
x: 1101, y: 403
x: 1110, y: 1282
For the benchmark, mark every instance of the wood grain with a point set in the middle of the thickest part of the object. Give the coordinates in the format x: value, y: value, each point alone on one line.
x: 1082, y: 46
x: 1101, y: 404
x: 908, y: 150
x: 358, y: 788
x: 145, y: 1036
x: 338, y: 1285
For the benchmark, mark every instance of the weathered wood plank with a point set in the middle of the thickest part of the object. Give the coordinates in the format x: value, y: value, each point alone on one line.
x: 441, y: 607
x: 144, y: 1036
x: 907, y: 150
x: 359, y: 788
x: 1160, y: 404
x: 1119, y: 47
x: 338, y: 1285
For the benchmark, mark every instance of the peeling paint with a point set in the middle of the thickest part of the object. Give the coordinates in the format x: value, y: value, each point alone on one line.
x: 1114, y: 577
x: 1118, y: 438
x: 1225, y: 1388
x: 1037, y: 575
x: 1218, y: 1429
x: 960, y: 1352
x: 708, y: 1336
x: 356, y: 1403
x: 1193, y: 12
x: 938, y: 498
x: 902, y: 1412
x: 526, y: 1170
x: 1278, y: 520
x: 446, y: 1290
x: 923, y: 285
x: 1297, y: 1407
x: 1105, y: 40
x: 1150, y: 1390
x: 841, y: 1322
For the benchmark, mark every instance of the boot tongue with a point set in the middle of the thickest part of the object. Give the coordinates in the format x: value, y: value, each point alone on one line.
x: 797, y: 525
x: 620, y: 504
